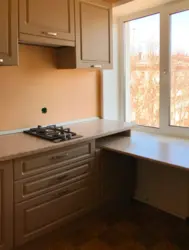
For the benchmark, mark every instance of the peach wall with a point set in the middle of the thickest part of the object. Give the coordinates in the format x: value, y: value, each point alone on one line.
x: 24, y: 90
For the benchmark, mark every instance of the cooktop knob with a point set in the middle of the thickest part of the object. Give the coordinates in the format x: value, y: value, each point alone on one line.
x: 69, y: 136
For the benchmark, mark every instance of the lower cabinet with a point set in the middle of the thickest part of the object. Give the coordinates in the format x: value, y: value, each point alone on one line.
x: 6, y: 206
x: 45, y: 213
x: 71, y: 197
x: 46, y: 201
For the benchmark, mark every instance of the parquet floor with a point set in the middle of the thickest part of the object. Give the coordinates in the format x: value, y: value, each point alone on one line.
x: 140, y: 227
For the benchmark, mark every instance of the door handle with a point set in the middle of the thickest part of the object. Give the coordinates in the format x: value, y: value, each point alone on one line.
x: 49, y: 33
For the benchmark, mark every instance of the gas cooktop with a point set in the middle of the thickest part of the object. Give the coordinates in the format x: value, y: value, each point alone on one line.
x: 53, y: 133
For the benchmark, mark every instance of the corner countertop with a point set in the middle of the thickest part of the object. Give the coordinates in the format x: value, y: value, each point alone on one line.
x: 163, y: 149
x: 20, y: 144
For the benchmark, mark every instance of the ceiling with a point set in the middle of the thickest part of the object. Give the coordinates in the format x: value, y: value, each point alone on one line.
x: 135, y: 6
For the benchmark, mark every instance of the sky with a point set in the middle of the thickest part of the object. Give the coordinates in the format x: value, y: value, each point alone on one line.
x: 145, y: 32
x: 180, y: 31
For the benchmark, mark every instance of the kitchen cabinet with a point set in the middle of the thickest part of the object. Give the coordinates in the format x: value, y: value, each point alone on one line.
x: 47, y: 22
x: 6, y: 206
x: 93, y: 37
x: 52, y: 188
x: 55, y: 179
x: 33, y: 165
x: 50, y: 211
x: 8, y: 33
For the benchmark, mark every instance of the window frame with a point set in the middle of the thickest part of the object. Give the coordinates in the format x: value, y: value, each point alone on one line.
x: 165, y: 77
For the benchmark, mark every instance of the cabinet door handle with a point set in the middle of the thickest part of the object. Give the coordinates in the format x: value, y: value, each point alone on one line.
x: 49, y: 33
x: 96, y: 66
x: 1, y: 60
x: 59, y: 157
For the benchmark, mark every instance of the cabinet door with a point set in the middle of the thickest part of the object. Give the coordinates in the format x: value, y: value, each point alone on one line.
x: 8, y: 32
x: 6, y: 206
x: 93, y: 33
x: 47, y: 212
x: 52, y: 19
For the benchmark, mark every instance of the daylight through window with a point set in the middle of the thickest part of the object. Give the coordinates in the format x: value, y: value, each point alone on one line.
x: 156, y: 68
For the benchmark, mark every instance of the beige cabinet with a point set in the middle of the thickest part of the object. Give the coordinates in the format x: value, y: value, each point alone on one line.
x: 51, y: 189
x: 94, y: 33
x: 43, y: 183
x: 48, y: 22
x: 47, y: 212
x: 8, y: 32
x: 6, y: 206
x: 93, y: 37
x: 33, y: 165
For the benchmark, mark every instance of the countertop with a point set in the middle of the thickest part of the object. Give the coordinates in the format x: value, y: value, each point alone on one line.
x: 163, y: 149
x: 20, y: 144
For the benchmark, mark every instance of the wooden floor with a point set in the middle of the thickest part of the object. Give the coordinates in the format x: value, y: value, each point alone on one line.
x: 140, y: 227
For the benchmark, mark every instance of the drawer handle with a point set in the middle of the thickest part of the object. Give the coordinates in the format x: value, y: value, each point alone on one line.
x: 1, y: 60
x: 59, y: 194
x: 59, y: 157
x: 49, y: 33
x: 62, y: 178
x: 57, y: 180
x: 96, y: 66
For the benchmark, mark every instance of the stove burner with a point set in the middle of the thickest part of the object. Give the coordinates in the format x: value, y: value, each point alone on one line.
x: 53, y: 133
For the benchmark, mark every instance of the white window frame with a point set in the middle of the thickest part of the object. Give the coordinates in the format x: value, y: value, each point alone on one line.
x: 165, y: 12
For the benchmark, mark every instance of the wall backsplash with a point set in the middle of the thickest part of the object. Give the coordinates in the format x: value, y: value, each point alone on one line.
x: 36, y: 83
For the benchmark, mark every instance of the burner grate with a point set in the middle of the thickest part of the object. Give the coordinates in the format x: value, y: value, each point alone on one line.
x: 53, y: 133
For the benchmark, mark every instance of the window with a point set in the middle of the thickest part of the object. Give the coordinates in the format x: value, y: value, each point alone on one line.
x: 180, y: 69
x: 156, y: 68
x: 142, y: 38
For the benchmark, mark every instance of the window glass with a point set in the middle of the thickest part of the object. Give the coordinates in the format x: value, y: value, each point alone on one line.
x: 179, y: 111
x: 142, y: 54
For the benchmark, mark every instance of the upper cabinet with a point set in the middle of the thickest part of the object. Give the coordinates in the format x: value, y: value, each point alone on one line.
x: 93, y: 33
x: 8, y: 32
x: 93, y: 37
x: 48, y: 22
x: 81, y: 29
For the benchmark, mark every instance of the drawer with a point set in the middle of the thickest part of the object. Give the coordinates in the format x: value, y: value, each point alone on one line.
x: 45, y: 213
x: 34, y: 186
x: 39, y: 163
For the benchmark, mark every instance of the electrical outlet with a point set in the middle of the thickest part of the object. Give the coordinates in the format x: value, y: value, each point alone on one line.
x: 44, y: 110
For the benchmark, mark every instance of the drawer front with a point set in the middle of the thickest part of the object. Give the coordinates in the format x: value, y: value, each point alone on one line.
x: 41, y: 215
x: 33, y: 165
x: 34, y: 186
